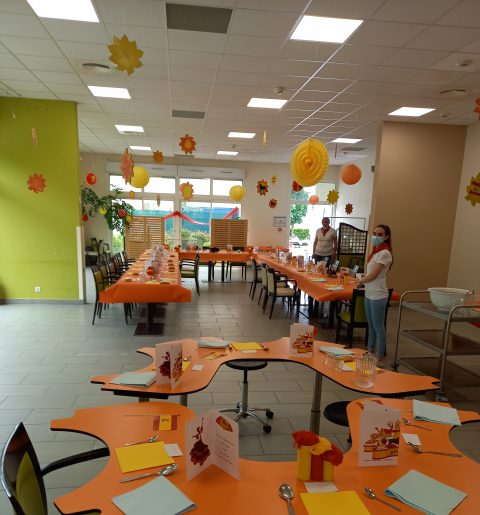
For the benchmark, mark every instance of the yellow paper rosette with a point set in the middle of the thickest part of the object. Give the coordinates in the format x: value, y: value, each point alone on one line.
x: 309, y: 162
x: 322, y: 446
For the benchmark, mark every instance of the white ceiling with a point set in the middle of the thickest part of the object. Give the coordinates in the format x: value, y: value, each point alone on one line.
x: 404, y: 54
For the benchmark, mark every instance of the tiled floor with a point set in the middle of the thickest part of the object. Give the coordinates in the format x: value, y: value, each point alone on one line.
x: 48, y: 352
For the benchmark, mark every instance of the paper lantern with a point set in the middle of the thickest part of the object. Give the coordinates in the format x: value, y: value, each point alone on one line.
x: 314, y: 200
x: 309, y: 162
x: 237, y: 193
x: 351, y: 174
x: 140, y: 177
x: 91, y: 178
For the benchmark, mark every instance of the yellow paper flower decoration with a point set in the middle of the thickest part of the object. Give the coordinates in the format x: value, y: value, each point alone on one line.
x: 473, y: 190
x: 158, y: 157
x: 332, y: 196
x: 186, y: 189
x: 273, y: 179
x: 309, y: 162
x: 125, y: 54
x: 187, y: 144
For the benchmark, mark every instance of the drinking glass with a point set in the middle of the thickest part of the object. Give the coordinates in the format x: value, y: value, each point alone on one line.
x: 329, y: 360
x: 365, y: 370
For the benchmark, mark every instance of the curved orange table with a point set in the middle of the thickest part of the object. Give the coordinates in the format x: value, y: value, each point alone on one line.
x: 387, y: 383
x: 215, y: 492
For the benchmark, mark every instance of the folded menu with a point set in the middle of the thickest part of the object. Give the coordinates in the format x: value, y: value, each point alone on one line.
x: 434, y: 413
x: 211, y: 344
x: 338, y: 351
x: 135, y: 379
x: 425, y: 494
x: 157, y: 497
x: 142, y: 456
x: 334, y: 503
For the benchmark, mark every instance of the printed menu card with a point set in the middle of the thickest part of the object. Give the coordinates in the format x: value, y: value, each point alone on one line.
x: 168, y: 363
x: 301, y: 340
x: 211, y: 439
x: 379, y: 435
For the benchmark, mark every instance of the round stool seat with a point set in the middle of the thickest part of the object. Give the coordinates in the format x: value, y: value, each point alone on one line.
x: 336, y: 412
x: 246, y: 364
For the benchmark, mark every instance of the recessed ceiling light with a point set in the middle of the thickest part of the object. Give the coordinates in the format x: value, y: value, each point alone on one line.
x: 79, y: 10
x: 411, y: 111
x: 136, y: 147
x: 226, y: 153
x: 245, y: 135
x: 267, y: 103
x: 330, y: 30
x: 129, y: 128
x: 346, y: 140
x: 101, y: 91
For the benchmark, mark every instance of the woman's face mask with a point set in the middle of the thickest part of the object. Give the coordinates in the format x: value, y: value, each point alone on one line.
x: 377, y: 240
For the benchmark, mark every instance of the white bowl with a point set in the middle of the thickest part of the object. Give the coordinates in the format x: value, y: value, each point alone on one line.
x: 445, y: 298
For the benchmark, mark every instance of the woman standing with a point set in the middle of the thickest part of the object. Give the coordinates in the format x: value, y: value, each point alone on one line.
x: 376, y: 293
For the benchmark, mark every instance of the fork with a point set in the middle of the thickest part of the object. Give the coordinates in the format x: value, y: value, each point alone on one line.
x: 418, y: 449
x: 410, y: 423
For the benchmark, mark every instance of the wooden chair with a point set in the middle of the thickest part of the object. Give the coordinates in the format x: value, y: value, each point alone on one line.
x: 189, y: 270
x: 22, y: 476
x: 278, y: 288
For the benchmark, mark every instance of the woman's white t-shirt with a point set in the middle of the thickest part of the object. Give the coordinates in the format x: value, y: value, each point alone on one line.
x: 377, y: 289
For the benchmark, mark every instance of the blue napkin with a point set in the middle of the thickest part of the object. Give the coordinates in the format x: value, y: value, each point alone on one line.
x: 425, y: 494
x: 337, y: 351
x: 135, y: 379
x: 433, y: 413
x: 157, y: 497
x: 210, y: 344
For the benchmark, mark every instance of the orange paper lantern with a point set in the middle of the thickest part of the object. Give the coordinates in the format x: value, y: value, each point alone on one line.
x: 314, y: 200
x: 351, y: 174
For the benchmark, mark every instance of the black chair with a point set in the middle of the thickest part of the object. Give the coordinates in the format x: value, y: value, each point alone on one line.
x: 189, y: 269
x: 239, y: 264
x: 22, y: 476
x: 336, y: 412
x: 256, y: 279
x: 354, y: 317
x: 243, y: 410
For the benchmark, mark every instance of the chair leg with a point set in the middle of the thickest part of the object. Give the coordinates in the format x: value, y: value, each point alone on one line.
x: 125, y: 311
x: 250, y: 292
x: 95, y: 311
x: 273, y: 305
x: 260, y: 296
x: 254, y: 289
x: 265, y: 302
x: 350, y: 336
x: 337, y: 332
x: 198, y: 287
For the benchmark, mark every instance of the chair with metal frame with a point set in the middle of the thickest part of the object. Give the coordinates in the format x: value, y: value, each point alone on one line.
x: 277, y: 287
x: 239, y: 264
x: 189, y: 269
x: 256, y: 279
x: 354, y: 317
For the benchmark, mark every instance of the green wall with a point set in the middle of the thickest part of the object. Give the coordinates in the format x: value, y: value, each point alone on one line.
x: 38, y: 230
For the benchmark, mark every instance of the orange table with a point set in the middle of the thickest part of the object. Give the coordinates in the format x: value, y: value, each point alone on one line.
x: 387, y: 383
x: 132, y: 288
x: 212, y: 257
x: 215, y: 492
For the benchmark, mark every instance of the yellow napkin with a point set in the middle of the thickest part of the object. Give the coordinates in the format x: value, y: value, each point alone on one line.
x: 165, y: 423
x: 246, y: 346
x: 352, y: 365
x: 142, y: 456
x: 152, y: 282
x: 334, y: 503
x: 185, y: 365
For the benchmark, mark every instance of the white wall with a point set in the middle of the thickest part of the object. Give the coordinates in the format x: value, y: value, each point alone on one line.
x: 465, y: 252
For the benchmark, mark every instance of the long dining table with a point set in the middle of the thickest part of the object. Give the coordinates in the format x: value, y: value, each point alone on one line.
x: 256, y: 491
x: 387, y: 384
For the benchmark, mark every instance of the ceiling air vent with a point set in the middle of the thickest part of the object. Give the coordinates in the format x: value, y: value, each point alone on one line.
x: 198, y: 18
x: 96, y: 68
x: 188, y: 114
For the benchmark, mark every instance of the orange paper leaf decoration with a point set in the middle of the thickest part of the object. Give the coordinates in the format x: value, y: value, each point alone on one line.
x: 349, y: 208
x: 272, y: 204
x: 158, y: 157
x: 187, y: 144
x: 127, y: 166
x: 37, y: 183
x: 125, y: 54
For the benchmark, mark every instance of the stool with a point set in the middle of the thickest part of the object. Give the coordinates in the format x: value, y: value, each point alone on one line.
x: 336, y: 412
x: 242, y: 410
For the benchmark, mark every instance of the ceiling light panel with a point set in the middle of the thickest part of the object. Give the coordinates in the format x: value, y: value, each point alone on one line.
x: 328, y: 30
x: 411, y: 111
x: 267, y: 103
x: 243, y: 135
x: 137, y: 147
x: 78, y: 10
x: 129, y: 128
x: 226, y: 153
x: 106, y: 92
x: 346, y: 140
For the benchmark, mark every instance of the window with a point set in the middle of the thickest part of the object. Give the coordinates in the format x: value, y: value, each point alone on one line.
x: 160, y: 185
x: 221, y: 187
x: 200, y: 186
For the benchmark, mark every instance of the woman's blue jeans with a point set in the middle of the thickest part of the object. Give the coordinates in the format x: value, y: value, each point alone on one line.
x: 377, y: 336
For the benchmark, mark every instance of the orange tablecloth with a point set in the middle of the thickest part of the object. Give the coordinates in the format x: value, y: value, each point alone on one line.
x: 132, y: 288
x: 222, y: 255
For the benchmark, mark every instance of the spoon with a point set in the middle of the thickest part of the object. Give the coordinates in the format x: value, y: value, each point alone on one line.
x: 418, y: 449
x: 165, y: 471
x: 286, y: 492
x: 370, y: 493
x: 410, y: 423
x: 152, y: 439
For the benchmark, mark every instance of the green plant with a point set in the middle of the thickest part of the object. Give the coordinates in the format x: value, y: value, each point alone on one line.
x: 297, y: 211
x: 302, y: 234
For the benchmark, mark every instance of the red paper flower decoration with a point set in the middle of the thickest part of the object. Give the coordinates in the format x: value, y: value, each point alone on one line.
x: 335, y: 456
x: 127, y: 166
x: 296, y: 187
x: 91, y: 178
x: 158, y: 157
x: 262, y: 187
x: 272, y: 204
x: 301, y: 438
x: 85, y: 217
x: 121, y: 213
x: 37, y: 182
x: 187, y: 144
x: 349, y: 209
x: 477, y: 108
x: 186, y: 189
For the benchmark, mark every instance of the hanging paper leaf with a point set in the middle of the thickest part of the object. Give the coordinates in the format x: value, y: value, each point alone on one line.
x: 477, y: 108
x: 273, y: 179
x: 127, y: 166
x: 332, y: 196
x: 309, y: 162
x: 131, y: 194
x: 296, y: 187
x: 37, y: 183
x: 473, y: 190
x: 262, y: 187
x: 158, y: 157
x: 272, y: 204
x: 91, y: 178
x: 349, y: 209
x: 265, y: 137
x: 187, y: 144
x: 158, y: 200
x: 34, y: 136
x: 125, y: 54
x: 186, y: 189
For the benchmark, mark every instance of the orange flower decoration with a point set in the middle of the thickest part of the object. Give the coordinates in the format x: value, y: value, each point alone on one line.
x: 272, y: 204
x: 127, y: 166
x: 158, y: 157
x: 186, y: 189
x: 187, y: 144
x: 349, y: 208
x: 477, y: 109
x: 37, y: 183
x: 262, y: 187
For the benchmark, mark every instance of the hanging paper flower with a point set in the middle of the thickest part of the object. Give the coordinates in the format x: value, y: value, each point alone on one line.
x: 477, y: 108
x: 301, y: 438
x: 296, y: 187
x: 91, y: 178
x: 273, y: 179
x: 309, y: 162
x: 34, y: 136
x: 85, y: 217
x: 314, y: 199
x: 121, y: 213
x: 186, y: 189
x: 272, y: 204
x: 187, y: 144
x: 332, y: 196
x: 125, y: 54
x: 349, y: 208
x: 473, y: 190
x: 265, y: 137
x: 262, y: 187
x: 158, y: 157
x: 158, y: 200
x: 37, y: 183
x: 127, y: 166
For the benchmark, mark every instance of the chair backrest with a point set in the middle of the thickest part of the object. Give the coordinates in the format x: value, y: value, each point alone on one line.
x: 271, y: 281
x: 254, y: 269
x: 94, y: 244
x: 98, y: 280
x: 21, y: 475
x: 197, y: 262
x: 263, y: 273
x: 358, y: 314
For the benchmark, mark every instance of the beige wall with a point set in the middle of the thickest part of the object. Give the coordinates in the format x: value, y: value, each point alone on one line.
x: 464, y: 258
x: 415, y: 191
